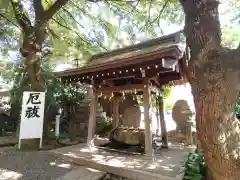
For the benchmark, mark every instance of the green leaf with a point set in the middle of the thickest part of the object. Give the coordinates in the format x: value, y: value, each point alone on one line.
x: 47, y: 4
x: 187, y: 177
x: 197, y: 177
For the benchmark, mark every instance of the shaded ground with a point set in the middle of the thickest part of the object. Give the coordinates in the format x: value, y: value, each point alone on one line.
x: 167, y: 164
x: 113, y: 177
x: 32, y: 165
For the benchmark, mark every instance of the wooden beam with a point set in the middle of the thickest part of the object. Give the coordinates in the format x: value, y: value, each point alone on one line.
x: 114, y: 78
x: 146, y: 59
x: 105, y: 76
x: 121, y: 88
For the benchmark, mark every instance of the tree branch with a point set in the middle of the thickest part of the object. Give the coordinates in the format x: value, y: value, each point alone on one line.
x: 149, y: 11
x: 20, y: 16
x: 202, y: 26
x: 38, y: 8
x: 162, y: 10
x: 48, y: 14
x: 68, y: 28
x: 4, y: 17
x: 72, y: 17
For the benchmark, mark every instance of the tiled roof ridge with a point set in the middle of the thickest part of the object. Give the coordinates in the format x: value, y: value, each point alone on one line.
x: 134, y: 47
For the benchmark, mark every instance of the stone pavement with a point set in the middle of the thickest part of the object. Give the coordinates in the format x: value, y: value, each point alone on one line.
x: 165, y: 166
x: 43, y: 165
x: 84, y: 173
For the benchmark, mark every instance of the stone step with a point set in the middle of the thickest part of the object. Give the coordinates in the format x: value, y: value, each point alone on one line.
x: 84, y: 173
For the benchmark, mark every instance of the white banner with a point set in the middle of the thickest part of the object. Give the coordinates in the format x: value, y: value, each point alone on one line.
x: 32, y: 116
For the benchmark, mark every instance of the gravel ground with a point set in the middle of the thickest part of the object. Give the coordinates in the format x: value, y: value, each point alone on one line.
x: 31, y: 165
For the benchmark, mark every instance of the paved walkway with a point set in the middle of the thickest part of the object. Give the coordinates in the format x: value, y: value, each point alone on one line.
x: 43, y: 165
x: 165, y: 166
x: 84, y: 173
x: 33, y: 165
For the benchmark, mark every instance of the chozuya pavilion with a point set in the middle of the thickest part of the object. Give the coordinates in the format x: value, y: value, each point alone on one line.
x: 141, y: 69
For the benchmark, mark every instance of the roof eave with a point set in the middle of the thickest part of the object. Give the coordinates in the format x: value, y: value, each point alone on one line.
x: 119, y: 63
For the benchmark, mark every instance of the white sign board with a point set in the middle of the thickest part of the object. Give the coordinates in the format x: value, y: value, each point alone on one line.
x: 32, y: 116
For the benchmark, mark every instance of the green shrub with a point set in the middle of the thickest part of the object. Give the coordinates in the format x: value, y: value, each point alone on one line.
x: 195, y: 167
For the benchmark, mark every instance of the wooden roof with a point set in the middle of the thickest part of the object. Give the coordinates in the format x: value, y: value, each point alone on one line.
x: 163, y: 56
x: 140, y: 48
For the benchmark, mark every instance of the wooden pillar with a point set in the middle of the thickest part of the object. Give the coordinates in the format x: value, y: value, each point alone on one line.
x: 163, y: 123
x: 92, y: 115
x: 116, y: 114
x: 147, y: 119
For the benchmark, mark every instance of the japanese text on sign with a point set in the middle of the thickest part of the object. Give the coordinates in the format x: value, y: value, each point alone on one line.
x: 32, y: 115
x: 33, y: 111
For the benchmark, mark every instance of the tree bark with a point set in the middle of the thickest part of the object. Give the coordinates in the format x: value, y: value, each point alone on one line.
x: 34, y: 36
x: 33, y: 64
x: 213, y: 88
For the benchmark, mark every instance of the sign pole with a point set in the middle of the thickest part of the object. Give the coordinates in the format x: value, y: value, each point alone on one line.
x: 19, y: 143
x: 40, y: 144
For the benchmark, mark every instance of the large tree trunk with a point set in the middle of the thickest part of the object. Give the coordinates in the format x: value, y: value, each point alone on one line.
x: 34, y: 35
x: 218, y: 129
x: 15, y: 113
x: 213, y: 83
x: 32, y: 52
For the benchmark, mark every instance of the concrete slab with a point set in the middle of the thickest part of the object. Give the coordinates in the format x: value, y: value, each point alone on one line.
x: 163, y: 167
x: 84, y: 173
